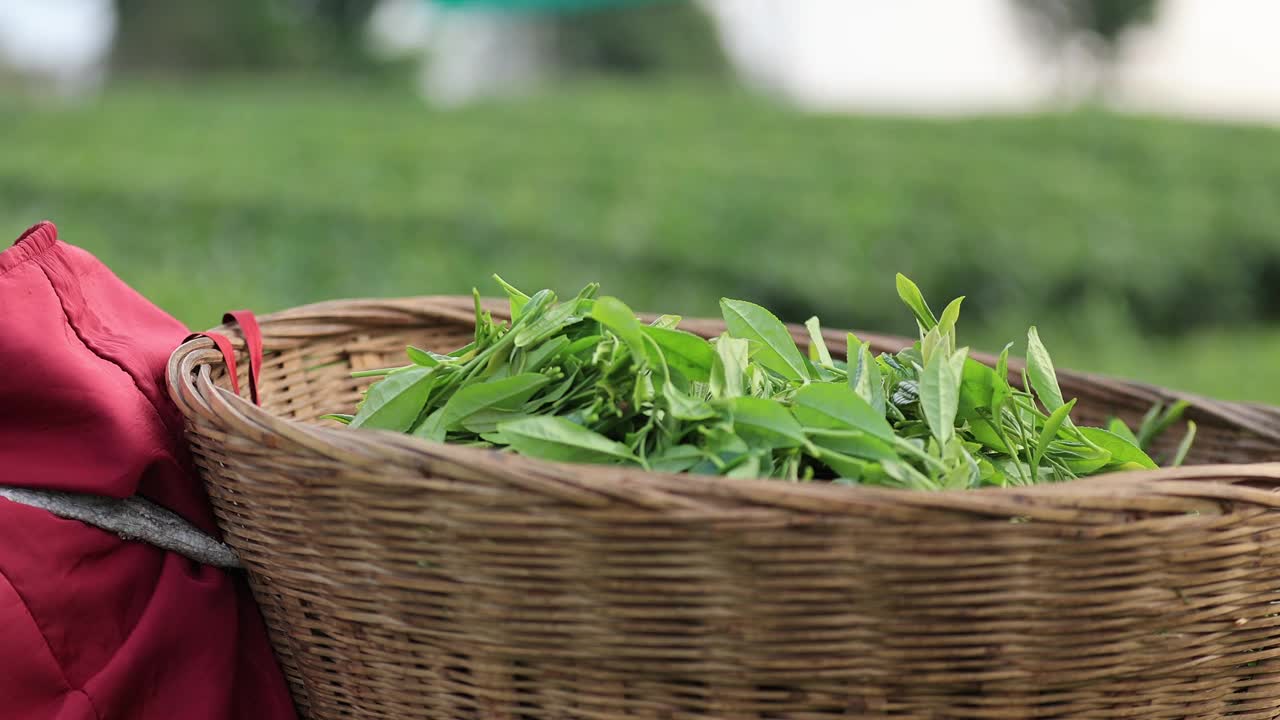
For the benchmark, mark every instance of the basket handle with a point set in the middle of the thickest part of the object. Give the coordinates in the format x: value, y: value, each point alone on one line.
x: 252, y: 334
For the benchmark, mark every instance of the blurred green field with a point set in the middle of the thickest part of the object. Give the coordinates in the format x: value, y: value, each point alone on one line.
x: 1142, y: 247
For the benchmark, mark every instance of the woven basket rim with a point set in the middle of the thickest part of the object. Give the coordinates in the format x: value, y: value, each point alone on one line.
x: 191, y: 385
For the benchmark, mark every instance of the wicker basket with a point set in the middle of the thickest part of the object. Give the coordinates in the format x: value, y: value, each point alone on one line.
x: 407, y: 579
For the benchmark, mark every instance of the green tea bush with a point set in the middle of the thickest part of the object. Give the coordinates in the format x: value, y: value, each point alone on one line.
x: 271, y: 195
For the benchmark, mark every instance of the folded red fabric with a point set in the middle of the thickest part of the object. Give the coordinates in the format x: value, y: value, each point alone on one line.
x: 93, y: 626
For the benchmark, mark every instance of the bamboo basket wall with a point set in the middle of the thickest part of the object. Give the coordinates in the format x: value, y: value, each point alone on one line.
x: 406, y: 579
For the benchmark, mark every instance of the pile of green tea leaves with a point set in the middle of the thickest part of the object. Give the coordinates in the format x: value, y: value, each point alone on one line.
x: 584, y: 380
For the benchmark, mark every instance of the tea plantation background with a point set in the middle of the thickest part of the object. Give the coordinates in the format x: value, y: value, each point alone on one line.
x: 1141, y: 247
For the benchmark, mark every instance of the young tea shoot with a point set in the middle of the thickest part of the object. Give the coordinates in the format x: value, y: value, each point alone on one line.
x: 585, y: 380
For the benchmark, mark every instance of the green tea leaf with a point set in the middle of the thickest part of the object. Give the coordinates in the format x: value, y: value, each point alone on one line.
x: 505, y: 394
x: 984, y: 432
x: 958, y: 359
x: 760, y: 382
x: 677, y: 458
x: 947, y: 321
x: 989, y: 474
x: 834, y: 406
x: 982, y: 394
x: 1185, y: 446
x: 750, y: 465
x: 910, y: 295
x: 1002, y: 364
x: 542, y: 354
x: 431, y: 428
x: 517, y: 299
x: 729, y: 367
x: 685, y: 407
x: 940, y: 394
x: 557, y: 438
x: 977, y: 388
x: 723, y: 443
x: 379, y: 372
x: 1041, y: 373
x: 338, y: 417
x: 684, y: 352
x: 931, y: 344
x: 551, y: 398
x: 425, y: 358
x: 961, y: 470
x: 855, y: 443
x: 1118, y: 427
x: 487, y: 420
x: 765, y: 422
x: 642, y: 391
x: 1123, y: 451
x: 774, y: 347
x: 905, y: 476
x: 554, y: 320
x: 864, y: 375
x: 1081, y: 459
x: 818, y: 350
x: 1001, y: 391
x: 1155, y: 423
x: 583, y: 347
x: 537, y: 304
x: 1050, y: 430
x: 668, y: 322
x: 465, y: 352
x: 394, y: 402
x: 484, y: 321
x: 850, y: 468
x: 1146, y: 426
x: 615, y: 315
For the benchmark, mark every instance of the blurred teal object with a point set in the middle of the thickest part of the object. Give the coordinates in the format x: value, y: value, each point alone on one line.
x: 537, y: 5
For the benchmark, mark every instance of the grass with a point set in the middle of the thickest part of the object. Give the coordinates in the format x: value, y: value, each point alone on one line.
x: 1140, y: 246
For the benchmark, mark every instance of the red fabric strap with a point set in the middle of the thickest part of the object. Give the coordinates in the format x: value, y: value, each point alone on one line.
x: 253, y: 343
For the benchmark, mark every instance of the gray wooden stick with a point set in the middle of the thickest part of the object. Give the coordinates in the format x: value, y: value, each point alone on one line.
x: 131, y: 518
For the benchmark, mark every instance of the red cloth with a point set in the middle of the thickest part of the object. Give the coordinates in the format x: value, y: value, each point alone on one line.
x: 93, y: 627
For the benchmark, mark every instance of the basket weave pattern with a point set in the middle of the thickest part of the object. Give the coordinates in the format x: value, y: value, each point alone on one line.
x: 406, y: 579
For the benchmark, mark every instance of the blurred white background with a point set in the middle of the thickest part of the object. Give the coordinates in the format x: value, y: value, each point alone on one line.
x: 1209, y: 58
